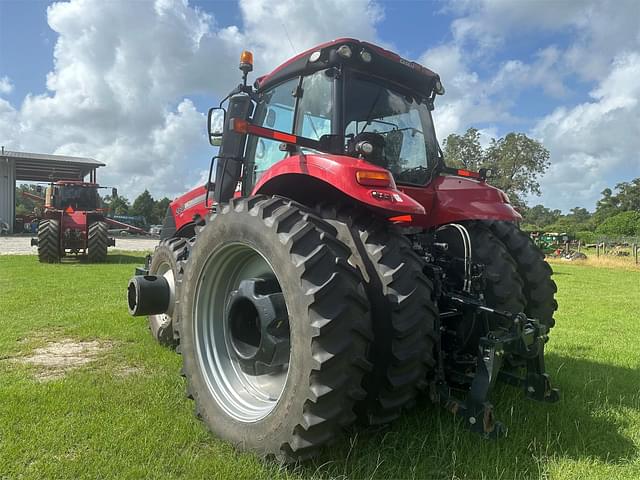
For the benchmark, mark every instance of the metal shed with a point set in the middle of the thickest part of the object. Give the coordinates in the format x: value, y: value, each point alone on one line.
x: 37, y: 167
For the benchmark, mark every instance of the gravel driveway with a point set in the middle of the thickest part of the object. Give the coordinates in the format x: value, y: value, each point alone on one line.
x: 19, y: 245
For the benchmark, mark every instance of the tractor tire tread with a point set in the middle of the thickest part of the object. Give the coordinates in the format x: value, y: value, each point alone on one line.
x: 403, y: 313
x: 539, y: 287
x: 97, y: 242
x: 49, y: 241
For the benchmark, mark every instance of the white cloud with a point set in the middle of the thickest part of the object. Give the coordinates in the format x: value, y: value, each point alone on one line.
x: 592, y: 145
x: 282, y: 29
x: 6, y: 87
x: 599, y: 29
x: 469, y: 99
x: 594, y: 142
x: 124, y: 71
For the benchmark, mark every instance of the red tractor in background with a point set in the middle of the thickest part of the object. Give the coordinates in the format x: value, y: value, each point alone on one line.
x: 336, y: 268
x: 73, y: 223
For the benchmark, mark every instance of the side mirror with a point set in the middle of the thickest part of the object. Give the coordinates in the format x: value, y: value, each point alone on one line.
x: 114, y: 192
x: 215, y: 125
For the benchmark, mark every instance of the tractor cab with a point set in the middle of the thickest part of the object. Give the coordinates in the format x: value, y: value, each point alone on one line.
x: 350, y: 120
x: 341, y: 91
x: 77, y: 195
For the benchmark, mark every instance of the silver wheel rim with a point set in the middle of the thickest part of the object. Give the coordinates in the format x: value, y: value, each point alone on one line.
x: 163, y: 319
x: 244, y: 397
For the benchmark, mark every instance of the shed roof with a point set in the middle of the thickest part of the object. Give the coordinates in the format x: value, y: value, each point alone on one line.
x: 40, y: 167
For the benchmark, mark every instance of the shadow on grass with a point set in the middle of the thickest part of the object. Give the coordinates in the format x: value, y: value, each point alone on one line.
x: 588, y: 423
x: 131, y: 258
x: 112, y: 258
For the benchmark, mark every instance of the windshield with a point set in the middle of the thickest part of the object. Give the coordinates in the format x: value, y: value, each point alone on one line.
x: 79, y: 198
x: 399, y: 122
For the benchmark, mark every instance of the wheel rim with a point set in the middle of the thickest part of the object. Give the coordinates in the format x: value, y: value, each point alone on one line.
x: 225, y: 332
x: 165, y: 270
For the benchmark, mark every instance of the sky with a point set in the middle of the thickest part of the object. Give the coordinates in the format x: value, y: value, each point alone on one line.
x: 128, y: 82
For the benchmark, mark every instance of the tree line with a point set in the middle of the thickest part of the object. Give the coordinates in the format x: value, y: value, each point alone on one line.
x: 617, y: 214
x: 144, y: 205
x: 516, y: 162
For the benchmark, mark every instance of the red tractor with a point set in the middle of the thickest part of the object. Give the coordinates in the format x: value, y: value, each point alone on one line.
x: 336, y: 268
x: 73, y: 222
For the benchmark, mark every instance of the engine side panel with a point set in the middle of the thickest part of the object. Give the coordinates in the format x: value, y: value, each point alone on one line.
x: 188, y: 206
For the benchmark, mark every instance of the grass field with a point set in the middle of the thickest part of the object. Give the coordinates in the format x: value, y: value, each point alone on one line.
x: 124, y: 414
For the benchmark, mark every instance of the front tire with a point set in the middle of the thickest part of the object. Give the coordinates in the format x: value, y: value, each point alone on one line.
x: 49, y: 241
x: 168, y: 261
x: 298, y: 398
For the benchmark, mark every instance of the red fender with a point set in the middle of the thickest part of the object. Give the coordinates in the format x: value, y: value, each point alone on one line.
x: 337, y: 172
x: 453, y: 199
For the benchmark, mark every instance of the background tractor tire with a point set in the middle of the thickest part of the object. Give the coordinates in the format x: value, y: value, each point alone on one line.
x: 538, y: 287
x: 49, y: 241
x: 326, y: 321
x: 97, y: 242
x: 403, y: 312
x: 168, y: 260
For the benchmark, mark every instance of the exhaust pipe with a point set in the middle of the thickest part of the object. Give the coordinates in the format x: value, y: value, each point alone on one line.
x: 148, y: 295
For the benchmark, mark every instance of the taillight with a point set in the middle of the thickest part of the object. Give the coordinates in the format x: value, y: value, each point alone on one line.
x: 374, y: 178
x: 401, y: 219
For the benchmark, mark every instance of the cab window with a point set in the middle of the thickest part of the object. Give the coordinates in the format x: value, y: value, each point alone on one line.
x: 314, y: 108
x: 274, y: 110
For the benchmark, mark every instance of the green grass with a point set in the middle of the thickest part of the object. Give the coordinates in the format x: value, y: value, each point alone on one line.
x: 96, y: 423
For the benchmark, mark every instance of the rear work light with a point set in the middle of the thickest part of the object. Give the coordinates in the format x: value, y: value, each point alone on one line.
x: 374, y: 178
x: 467, y: 173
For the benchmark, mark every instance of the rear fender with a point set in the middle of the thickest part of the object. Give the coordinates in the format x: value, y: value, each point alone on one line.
x: 313, y: 179
x: 455, y: 199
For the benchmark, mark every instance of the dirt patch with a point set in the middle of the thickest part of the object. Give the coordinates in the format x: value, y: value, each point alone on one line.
x: 56, y: 358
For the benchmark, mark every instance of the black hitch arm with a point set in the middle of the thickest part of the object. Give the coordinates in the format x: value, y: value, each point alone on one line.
x: 523, y: 340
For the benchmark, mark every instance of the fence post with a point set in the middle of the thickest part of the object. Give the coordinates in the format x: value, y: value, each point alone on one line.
x: 579, y: 246
x: 597, y: 250
x: 635, y: 253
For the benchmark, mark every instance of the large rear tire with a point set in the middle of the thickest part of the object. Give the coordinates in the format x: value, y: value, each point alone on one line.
x: 503, y: 285
x: 168, y: 261
x: 539, y: 288
x: 279, y: 379
x: 49, y: 241
x: 97, y: 242
x: 403, y: 312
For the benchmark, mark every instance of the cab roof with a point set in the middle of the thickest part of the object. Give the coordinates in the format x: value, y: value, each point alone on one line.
x: 384, y: 63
